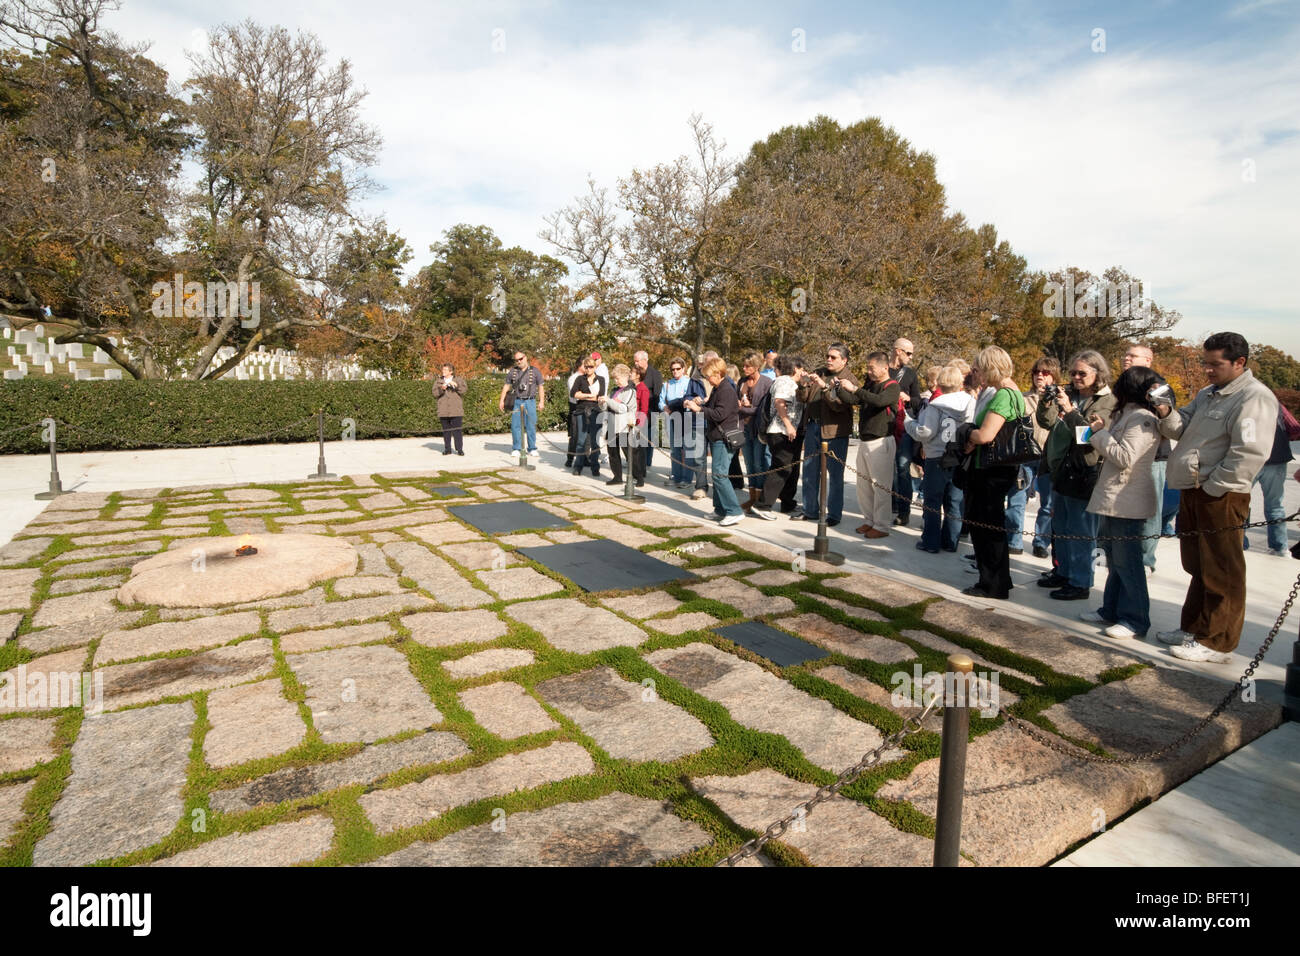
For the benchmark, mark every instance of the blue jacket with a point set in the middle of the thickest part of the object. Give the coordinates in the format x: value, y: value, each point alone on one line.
x: 677, y: 390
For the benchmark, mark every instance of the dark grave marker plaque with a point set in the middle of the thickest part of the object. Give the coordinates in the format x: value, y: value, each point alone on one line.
x: 778, y: 647
x: 602, y: 565
x: 447, y: 491
x: 507, y: 517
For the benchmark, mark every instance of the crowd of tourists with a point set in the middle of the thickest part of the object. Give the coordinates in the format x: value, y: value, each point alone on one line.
x: 1102, y: 457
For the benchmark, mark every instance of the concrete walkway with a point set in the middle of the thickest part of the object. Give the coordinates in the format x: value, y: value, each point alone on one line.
x: 1243, y: 811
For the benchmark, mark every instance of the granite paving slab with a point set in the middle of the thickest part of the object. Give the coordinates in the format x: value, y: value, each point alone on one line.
x: 337, y: 612
x: 506, y: 709
x: 774, y: 577
x: 25, y: 742
x: 251, y: 721
x: 78, y: 585
x: 281, y: 844
x: 414, y: 803
x: 487, y: 662
x: 1024, y: 804
x: 945, y: 646
x: 512, y: 584
x: 16, y: 587
x: 124, y: 789
x: 11, y: 807
x: 482, y: 555
x: 718, y: 570
x: 401, y: 520
x: 692, y: 621
x: 1156, y: 706
x: 613, y: 530
x: 363, y: 693
x: 446, y: 628
x: 615, y: 830
x: 190, y: 636
x: 433, y: 574
x: 526, y: 540
x: 570, y: 625
x: 304, y: 641
x: 759, y: 699
x: 852, y: 610
x: 868, y: 690
x: 50, y: 679
x: 73, y: 608
x: 381, y: 501
x: 1065, y: 653
x: 367, y: 584
x: 749, y: 601
x: 78, y: 633
x: 439, y: 533
x: 372, y: 763
x: 23, y: 550
x: 643, y: 605
x: 839, y: 832
x: 845, y: 640
x: 878, y: 588
x: 126, y: 684
x: 9, y: 625
x: 628, y: 721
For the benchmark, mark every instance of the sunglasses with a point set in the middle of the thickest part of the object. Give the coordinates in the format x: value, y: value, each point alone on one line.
x: 1079, y: 374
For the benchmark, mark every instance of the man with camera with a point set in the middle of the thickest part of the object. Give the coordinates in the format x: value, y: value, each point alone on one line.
x: 1224, y: 437
x: 524, y: 396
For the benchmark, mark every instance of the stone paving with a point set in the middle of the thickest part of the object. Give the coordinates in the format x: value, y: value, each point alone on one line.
x: 405, y: 684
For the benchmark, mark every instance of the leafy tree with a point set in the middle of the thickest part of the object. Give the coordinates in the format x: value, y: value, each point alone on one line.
x: 1102, y: 312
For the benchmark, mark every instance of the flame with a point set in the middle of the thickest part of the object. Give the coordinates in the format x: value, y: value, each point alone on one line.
x: 246, y: 541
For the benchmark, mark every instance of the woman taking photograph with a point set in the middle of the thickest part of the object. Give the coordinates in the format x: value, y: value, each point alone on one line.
x: 721, y: 413
x: 587, y: 390
x: 1124, y: 498
x: 753, y: 386
x: 1075, y: 465
x: 988, y: 484
x: 449, y: 390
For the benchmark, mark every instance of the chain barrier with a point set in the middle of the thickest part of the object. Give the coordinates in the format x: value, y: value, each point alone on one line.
x: 911, y: 725
x: 1064, y: 537
x: 243, y: 439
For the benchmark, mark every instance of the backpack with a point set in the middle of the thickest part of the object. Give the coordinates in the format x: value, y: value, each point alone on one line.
x: 763, y: 416
x: 1288, y: 422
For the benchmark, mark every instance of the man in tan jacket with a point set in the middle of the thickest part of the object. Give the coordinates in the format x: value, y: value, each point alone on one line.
x: 826, y: 419
x: 1224, y: 437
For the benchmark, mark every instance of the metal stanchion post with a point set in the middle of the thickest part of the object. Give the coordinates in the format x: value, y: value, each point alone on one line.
x: 821, y: 544
x: 629, y: 490
x: 56, y: 486
x: 952, y: 759
x: 1291, y: 688
x: 320, y: 432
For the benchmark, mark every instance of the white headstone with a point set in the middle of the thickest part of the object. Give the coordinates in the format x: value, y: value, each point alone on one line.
x: 72, y: 367
x: 101, y: 356
x: 8, y: 332
x: 40, y: 331
x: 84, y: 375
x: 14, y: 374
x: 49, y: 367
x: 112, y: 374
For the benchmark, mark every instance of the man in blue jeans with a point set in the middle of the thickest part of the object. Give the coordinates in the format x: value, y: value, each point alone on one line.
x: 827, y: 418
x: 910, y: 390
x: 523, y: 384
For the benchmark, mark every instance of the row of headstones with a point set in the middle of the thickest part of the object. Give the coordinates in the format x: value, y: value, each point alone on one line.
x: 42, y: 352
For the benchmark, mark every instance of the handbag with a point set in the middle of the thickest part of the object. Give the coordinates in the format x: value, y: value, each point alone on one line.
x: 1014, y: 444
x: 735, y: 438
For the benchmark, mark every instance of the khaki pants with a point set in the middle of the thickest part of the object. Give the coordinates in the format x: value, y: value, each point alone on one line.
x: 876, y: 458
x: 1215, y: 608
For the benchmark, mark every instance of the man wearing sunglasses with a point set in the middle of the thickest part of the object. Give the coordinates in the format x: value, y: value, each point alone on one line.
x: 527, y: 397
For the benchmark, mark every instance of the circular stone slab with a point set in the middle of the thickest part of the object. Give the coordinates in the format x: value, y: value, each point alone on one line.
x: 204, y: 572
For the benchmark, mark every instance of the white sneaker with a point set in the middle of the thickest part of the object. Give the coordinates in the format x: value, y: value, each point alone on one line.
x: 699, y: 493
x: 731, y: 519
x: 1280, y: 552
x: 1092, y: 617
x: 534, y: 454
x: 767, y: 514
x: 1196, y: 651
x: 1121, y: 632
x: 1175, y: 637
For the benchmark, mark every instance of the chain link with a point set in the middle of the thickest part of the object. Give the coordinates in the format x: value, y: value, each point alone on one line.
x: 872, y: 757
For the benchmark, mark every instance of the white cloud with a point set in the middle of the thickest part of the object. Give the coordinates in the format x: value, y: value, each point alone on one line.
x: 1116, y: 158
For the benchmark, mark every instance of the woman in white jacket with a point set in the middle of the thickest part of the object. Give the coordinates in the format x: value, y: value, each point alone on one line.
x: 934, y: 429
x: 1125, y: 497
x: 619, y: 413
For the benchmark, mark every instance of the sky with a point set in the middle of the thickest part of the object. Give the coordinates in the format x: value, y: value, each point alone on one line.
x: 1162, y: 137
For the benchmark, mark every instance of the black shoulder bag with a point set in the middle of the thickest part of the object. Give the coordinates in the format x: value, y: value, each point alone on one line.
x: 1014, y: 444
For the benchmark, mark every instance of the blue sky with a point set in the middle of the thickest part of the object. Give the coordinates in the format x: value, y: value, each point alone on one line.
x: 1174, y: 152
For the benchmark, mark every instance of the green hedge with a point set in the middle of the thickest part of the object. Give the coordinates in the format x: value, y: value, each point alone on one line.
x: 131, y: 414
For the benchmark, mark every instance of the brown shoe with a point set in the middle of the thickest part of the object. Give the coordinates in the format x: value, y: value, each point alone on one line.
x: 873, y: 533
x: 862, y: 528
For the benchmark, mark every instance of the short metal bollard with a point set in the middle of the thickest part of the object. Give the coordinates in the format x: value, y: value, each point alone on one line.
x: 524, y: 463
x: 56, y: 486
x: 821, y: 544
x: 952, y: 759
x: 320, y: 433
x: 629, y: 488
